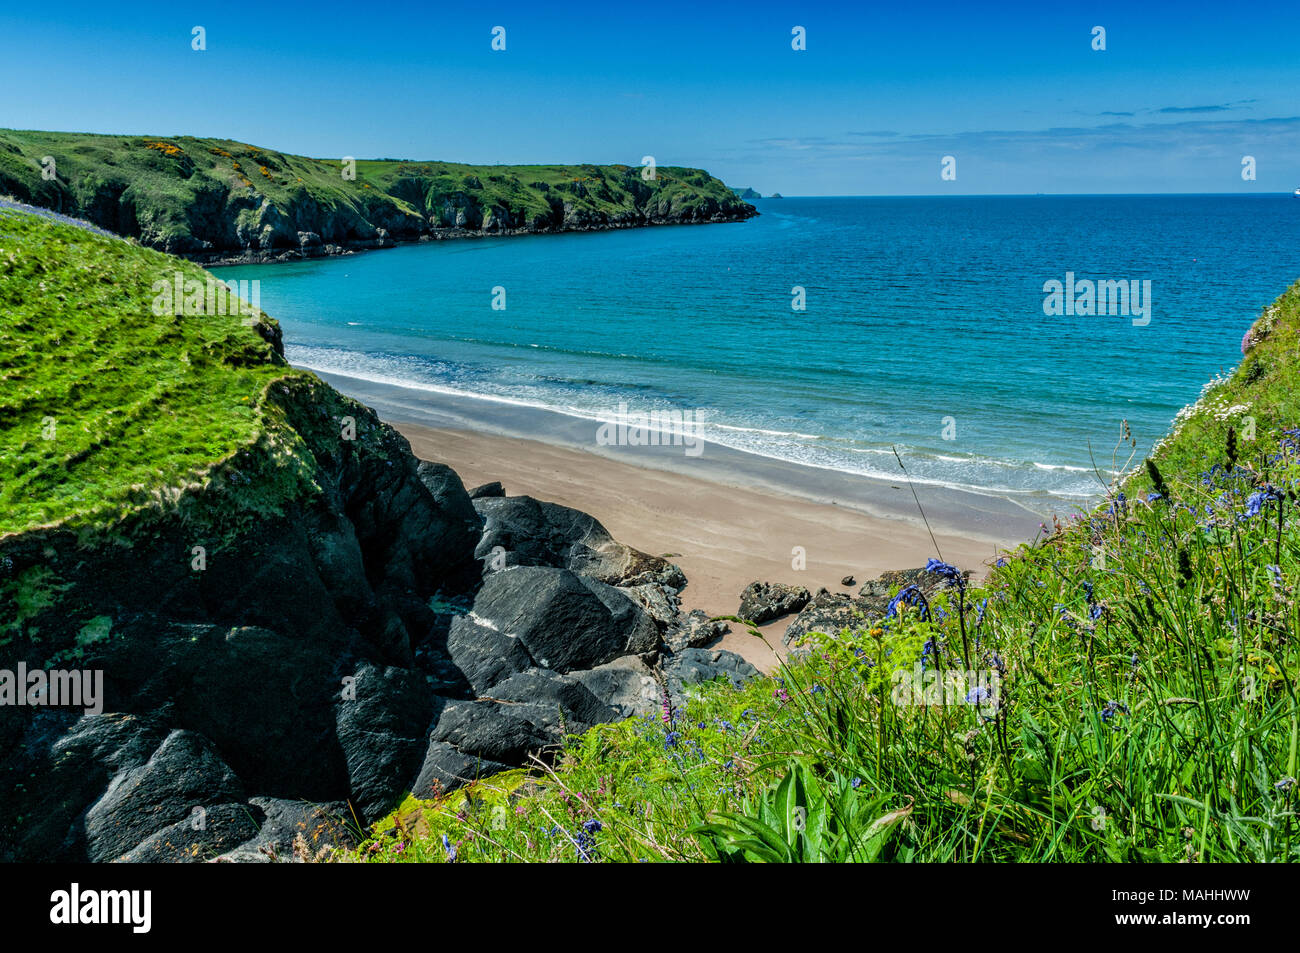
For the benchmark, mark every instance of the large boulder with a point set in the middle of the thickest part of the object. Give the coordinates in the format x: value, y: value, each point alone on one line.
x: 383, y: 714
x: 533, y: 533
x: 528, y: 712
x: 59, y: 766
x: 482, y: 654
x: 627, y: 685
x: 695, y: 630
x: 829, y: 613
x: 185, y: 773
x: 201, y: 837
x: 446, y: 768
x: 764, y: 601
x: 564, y: 621
x: 696, y: 666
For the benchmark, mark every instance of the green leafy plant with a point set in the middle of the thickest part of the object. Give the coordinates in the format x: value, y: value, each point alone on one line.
x: 804, y: 818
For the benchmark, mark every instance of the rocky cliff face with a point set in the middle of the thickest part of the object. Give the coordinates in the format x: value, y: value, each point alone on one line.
x: 385, y: 634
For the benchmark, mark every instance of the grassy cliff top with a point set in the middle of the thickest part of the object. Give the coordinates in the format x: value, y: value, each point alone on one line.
x: 1258, y: 400
x: 105, y: 403
x: 168, y: 190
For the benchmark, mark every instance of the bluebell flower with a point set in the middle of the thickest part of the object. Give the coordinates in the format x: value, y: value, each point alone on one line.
x: 855, y: 783
x: 450, y: 848
x: 1256, y: 502
x: 584, y: 841
x: 1111, y: 709
x: 908, y: 595
x: 948, y: 571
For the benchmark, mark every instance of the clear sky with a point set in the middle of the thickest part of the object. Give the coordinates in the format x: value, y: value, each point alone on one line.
x: 883, y: 91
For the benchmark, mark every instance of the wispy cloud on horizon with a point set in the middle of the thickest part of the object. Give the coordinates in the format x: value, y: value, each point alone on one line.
x: 1205, y: 154
x: 1215, y: 108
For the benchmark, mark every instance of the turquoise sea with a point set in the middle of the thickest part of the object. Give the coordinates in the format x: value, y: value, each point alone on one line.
x: 924, y: 326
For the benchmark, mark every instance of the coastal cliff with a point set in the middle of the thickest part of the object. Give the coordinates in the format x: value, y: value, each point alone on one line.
x: 217, y: 201
x: 296, y: 622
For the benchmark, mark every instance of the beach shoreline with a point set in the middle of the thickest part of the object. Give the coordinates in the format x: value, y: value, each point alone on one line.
x: 724, y: 532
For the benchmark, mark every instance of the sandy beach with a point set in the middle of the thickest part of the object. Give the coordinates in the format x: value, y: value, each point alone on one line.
x: 723, y: 536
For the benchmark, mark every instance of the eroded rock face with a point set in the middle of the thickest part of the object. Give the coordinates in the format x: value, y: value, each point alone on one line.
x: 695, y: 630
x: 564, y: 621
x: 529, y: 532
x: 764, y: 601
x: 183, y: 775
x: 696, y: 666
x: 328, y: 658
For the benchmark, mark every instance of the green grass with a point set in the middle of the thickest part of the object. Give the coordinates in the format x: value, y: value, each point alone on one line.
x: 1147, y: 710
x: 105, y: 406
x: 178, y: 193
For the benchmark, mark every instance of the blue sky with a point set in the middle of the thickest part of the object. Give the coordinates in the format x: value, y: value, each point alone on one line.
x: 883, y: 91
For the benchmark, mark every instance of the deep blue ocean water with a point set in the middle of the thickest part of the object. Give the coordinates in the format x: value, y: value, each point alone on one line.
x: 918, y: 309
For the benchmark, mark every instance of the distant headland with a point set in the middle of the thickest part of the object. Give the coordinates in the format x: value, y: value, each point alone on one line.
x: 220, y: 201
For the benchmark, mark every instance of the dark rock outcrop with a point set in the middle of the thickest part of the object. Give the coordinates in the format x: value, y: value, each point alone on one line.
x: 695, y: 630
x: 485, y: 490
x: 332, y: 654
x: 184, y: 775
x: 564, y: 621
x: 522, y: 531
x: 764, y: 601
x: 833, y: 612
x: 695, y: 666
x: 527, y: 712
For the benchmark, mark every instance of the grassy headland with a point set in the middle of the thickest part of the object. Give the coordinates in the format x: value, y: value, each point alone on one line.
x: 213, y: 199
x: 106, y: 404
x: 1146, y: 696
